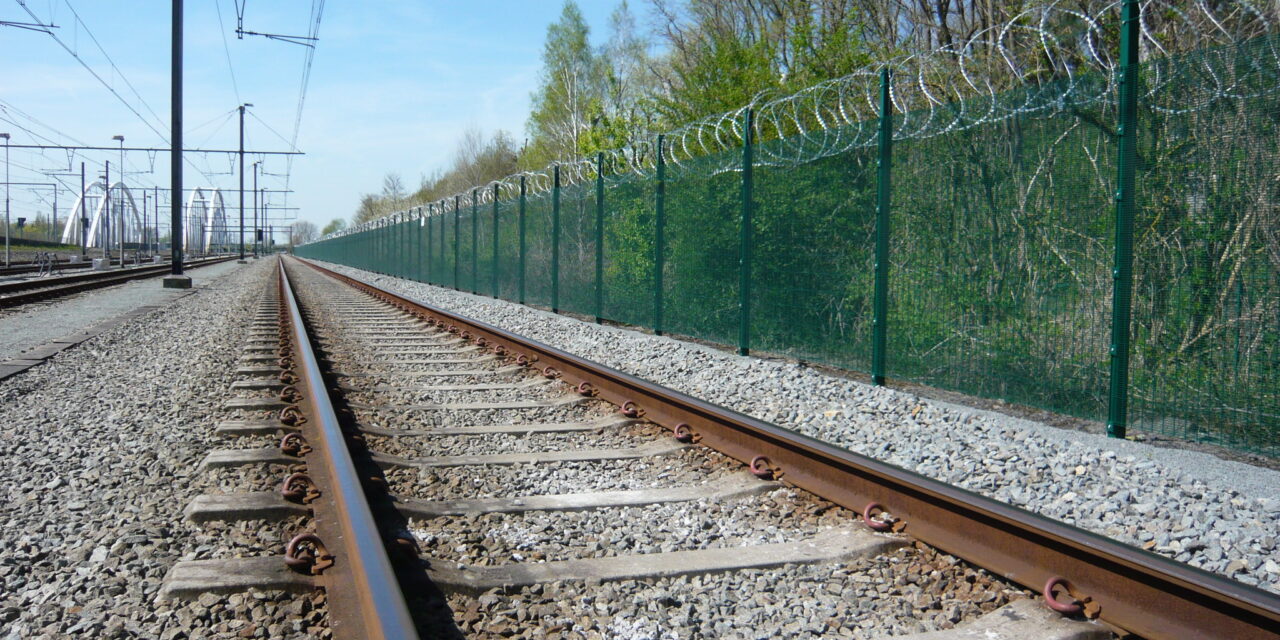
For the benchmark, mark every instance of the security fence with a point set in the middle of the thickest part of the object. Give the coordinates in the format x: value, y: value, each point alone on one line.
x: 1099, y: 240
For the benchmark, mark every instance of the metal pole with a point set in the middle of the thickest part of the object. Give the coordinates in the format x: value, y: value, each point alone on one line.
x: 555, y: 239
x: 431, y: 246
x: 255, y: 209
x: 175, y: 136
x: 457, y: 224
x: 84, y: 219
x: 880, y: 303
x: 493, y: 265
x: 659, y: 249
x: 599, y: 236
x: 53, y: 228
x: 440, y: 252
x: 1122, y: 294
x: 241, y: 108
x: 6, y: 199
x: 520, y: 278
x: 744, y: 248
x: 121, y: 207
x: 105, y: 234
x: 475, y: 242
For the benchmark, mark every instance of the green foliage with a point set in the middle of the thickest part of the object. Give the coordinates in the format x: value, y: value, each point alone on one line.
x: 335, y: 225
x: 570, y: 90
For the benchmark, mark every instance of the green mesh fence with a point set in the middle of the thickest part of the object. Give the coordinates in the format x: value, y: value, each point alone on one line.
x: 449, y: 250
x: 537, y: 267
x: 484, y: 249
x: 508, y: 249
x: 628, y: 255
x: 814, y: 253
x: 1206, y: 319
x: 702, y: 230
x: 1001, y: 258
x: 578, y: 248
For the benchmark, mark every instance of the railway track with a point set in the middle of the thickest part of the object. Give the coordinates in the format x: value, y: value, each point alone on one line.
x: 445, y: 478
x: 61, y: 265
x: 13, y: 294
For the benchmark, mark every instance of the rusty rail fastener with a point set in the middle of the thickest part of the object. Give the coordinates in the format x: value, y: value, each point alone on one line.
x: 299, y: 489
x: 306, y: 552
x: 762, y: 468
x: 293, y: 444
x: 292, y: 416
x: 683, y: 433
x: 868, y: 517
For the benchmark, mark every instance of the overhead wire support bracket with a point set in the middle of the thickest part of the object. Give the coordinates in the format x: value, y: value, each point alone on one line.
x: 29, y: 26
x: 301, y: 40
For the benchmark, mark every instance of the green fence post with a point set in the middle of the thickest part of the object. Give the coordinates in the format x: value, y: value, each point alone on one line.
x: 880, y: 310
x: 659, y: 229
x: 493, y: 265
x: 1122, y: 274
x: 431, y: 246
x: 419, y: 237
x: 744, y: 248
x: 475, y: 241
x: 555, y: 239
x: 457, y: 240
x: 599, y: 236
x: 520, y: 276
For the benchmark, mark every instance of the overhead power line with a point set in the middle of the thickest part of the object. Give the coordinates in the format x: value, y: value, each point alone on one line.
x: 222, y: 30
x: 99, y: 78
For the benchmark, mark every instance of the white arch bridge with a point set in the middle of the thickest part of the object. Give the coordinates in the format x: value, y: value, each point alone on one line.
x: 204, y: 220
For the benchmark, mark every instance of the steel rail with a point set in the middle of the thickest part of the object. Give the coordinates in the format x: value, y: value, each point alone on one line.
x: 1127, y: 588
x: 17, y: 293
x: 60, y: 265
x: 363, y: 588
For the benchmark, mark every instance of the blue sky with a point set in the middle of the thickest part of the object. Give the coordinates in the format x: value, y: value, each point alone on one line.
x: 393, y: 84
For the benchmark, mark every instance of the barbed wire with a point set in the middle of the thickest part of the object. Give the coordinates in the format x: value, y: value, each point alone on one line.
x: 1052, y: 57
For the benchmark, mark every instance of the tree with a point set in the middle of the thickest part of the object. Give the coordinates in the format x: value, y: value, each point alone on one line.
x: 476, y: 162
x: 723, y: 53
x: 334, y: 226
x: 570, y: 89
x: 302, y: 232
x: 374, y: 206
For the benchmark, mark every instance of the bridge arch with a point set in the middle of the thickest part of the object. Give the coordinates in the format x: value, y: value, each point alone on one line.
x: 99, y: 225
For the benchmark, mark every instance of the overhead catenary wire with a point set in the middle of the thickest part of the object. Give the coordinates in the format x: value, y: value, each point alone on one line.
x: 222, y: 29
x: 99, y: 78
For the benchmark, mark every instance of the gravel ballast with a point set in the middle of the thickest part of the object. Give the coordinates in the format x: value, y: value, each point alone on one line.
x: 98, y: 454
x: 34, y: 324
x: 1214, y: 514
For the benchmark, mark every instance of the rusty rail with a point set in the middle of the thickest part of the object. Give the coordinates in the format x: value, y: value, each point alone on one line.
x: 365, y: 597
x: 1125, y: 587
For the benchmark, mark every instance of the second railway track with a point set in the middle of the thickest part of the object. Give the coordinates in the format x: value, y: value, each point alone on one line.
x: 22, y: 292
x: 524, y: 492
